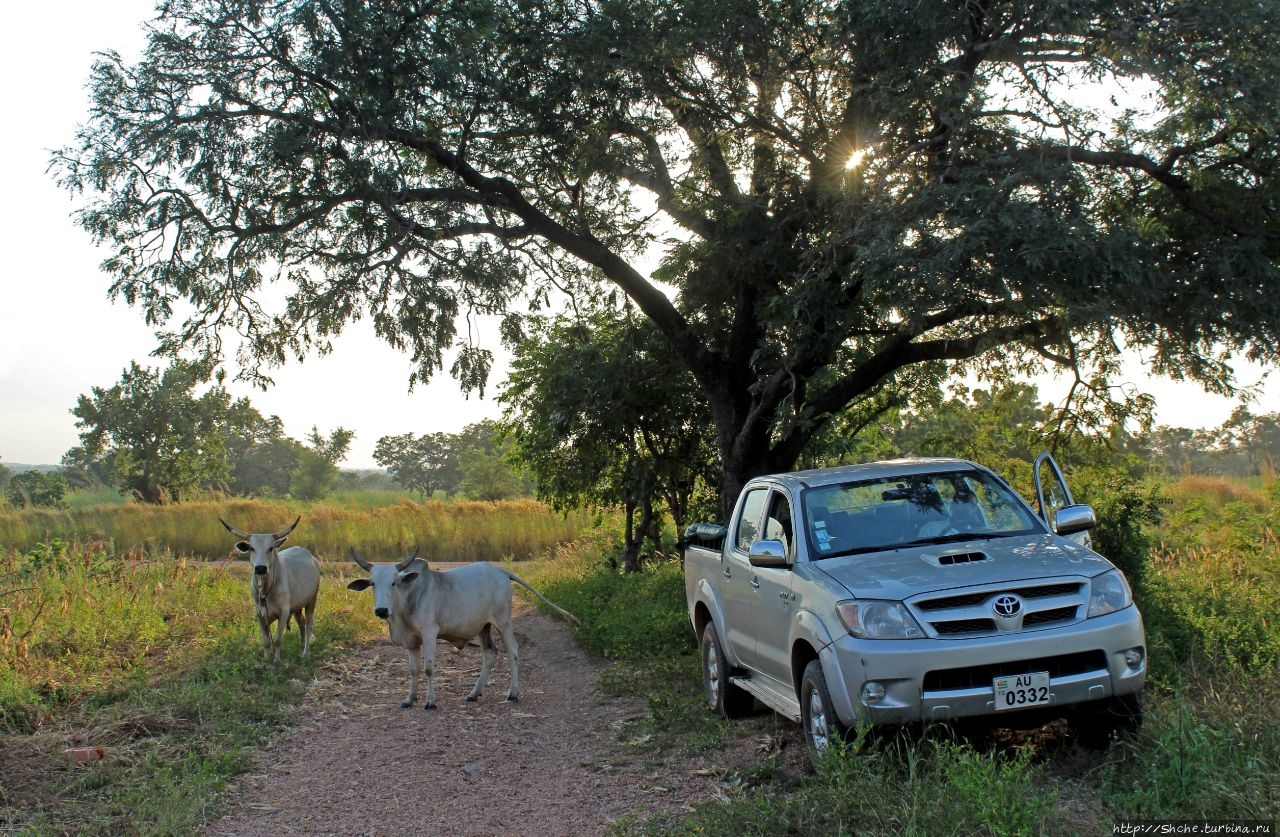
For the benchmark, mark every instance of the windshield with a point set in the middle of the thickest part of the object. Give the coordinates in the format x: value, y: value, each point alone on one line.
x: 923, y: 508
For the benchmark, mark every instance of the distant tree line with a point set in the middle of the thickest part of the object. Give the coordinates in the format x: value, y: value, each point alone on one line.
x: 475, y: 463
x: 166, y: 435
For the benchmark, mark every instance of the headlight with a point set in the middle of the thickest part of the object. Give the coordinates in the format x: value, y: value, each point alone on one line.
x: 878, y: 620
x: 1108, y: 593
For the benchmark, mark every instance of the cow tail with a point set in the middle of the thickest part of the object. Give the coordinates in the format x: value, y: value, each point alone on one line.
x: 526, y: 585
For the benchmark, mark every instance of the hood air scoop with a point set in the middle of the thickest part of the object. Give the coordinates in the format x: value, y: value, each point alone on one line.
x: 961, y: 558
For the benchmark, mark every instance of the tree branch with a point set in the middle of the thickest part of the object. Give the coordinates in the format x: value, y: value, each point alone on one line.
x: 1179, y: 187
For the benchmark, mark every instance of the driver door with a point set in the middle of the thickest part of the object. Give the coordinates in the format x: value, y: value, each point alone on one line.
x: 1053, y: 495
x: 741, y: 587
x: 776, y: 605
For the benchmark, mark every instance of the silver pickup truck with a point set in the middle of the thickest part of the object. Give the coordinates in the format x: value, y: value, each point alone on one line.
x: 913, y: 590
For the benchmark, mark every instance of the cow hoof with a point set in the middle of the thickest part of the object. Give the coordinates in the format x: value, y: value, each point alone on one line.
x: 406, y: 704
x: 472, y: 698
x: 513, y: 698
x: 429, y: 707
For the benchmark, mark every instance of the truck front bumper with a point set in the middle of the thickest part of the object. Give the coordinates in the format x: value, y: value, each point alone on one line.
x: 943, y: 679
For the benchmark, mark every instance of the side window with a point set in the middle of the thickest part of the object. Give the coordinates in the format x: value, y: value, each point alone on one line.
x: 777, y: 525
x: 749, y: 523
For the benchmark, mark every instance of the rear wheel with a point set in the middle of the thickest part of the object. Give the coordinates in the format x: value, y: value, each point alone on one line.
x: 822, y: 729
x: 720, y: 694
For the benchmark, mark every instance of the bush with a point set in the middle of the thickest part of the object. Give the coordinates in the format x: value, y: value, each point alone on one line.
x: 1127, y: 508
x: 36, y: 489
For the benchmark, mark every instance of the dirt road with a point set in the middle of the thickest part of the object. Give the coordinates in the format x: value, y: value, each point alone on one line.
x: 354, y: 763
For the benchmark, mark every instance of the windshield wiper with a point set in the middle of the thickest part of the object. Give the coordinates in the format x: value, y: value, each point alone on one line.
x: 955, y: 537
x: 857, y: 550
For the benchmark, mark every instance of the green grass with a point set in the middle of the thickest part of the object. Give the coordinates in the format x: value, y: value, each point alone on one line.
x: 157, y: 661
x: 1210, y: 747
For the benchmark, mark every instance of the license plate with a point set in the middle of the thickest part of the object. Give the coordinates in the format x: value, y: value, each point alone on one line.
x: 1018, y: 691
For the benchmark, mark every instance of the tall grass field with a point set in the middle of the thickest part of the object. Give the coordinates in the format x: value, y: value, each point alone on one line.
x: 116, y: 632
x: 444, y: 531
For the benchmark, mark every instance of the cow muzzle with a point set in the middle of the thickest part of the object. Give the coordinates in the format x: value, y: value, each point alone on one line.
x: 260, y: 569
x: 381, y: 612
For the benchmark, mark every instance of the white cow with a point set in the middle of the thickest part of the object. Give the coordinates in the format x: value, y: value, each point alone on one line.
x: 284, y: 585
x: 422, y: 605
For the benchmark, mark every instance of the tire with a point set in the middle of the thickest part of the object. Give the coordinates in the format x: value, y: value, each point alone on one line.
x: 721, y: 696
x: 821, y: 727
x: 1098, y: 723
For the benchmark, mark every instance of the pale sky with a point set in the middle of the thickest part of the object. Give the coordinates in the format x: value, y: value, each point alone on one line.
x: 60, y: 335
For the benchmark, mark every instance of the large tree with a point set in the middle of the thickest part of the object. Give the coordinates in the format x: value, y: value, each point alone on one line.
x: 426, y: 463
x: 316, y: 472
x: 841, y: 196
x: 261, y: 457
x: 158, y: 438
x: 604, y: 416
x: 483, y: 453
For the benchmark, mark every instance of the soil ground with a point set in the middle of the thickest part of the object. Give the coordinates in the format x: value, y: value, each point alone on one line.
x: 355, y: 763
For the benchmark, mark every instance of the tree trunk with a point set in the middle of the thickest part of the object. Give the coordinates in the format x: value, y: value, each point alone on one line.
x: 636, y: 533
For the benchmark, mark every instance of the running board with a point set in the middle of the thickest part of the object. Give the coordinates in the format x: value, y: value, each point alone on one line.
x: 770, y: 694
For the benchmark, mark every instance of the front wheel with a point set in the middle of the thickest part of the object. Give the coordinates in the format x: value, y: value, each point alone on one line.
x: 822, y: 729
x: 722, y: 697
x: 1097, y: 724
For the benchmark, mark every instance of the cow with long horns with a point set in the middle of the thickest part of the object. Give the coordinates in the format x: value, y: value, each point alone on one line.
x: 284, y: 584
x: 422, y: 605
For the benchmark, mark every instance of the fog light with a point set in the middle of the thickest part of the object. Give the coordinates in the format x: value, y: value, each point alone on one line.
x: 1133, y: 658
x: 872, y: 692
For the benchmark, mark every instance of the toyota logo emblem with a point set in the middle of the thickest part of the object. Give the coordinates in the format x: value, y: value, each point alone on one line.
x: 1007, y: 606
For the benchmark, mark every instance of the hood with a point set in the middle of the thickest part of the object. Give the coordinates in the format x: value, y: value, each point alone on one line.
x: 898, y: 574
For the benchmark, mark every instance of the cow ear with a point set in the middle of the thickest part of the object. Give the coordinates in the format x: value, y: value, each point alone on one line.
x: 409, y: 576
x: 243, y: 546
x: 278, y: 542
x: 359, y: 584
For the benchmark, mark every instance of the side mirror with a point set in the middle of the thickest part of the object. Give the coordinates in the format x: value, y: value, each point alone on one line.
x: 768, y: 553
x: 1072, y: 519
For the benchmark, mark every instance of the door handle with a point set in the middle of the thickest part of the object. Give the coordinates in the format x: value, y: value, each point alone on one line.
x: 755, y: 584
x: 727, y: 574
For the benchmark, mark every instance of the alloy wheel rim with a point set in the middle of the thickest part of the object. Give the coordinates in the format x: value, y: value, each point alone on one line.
x: 712, y: 666
x: 818, y: 731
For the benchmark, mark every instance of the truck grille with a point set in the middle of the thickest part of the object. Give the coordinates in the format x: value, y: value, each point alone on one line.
x: 973, y: 677
x: 1048, y: 617
x: 970, y: 613
x: 965, y: 626
x: 1040, y: 591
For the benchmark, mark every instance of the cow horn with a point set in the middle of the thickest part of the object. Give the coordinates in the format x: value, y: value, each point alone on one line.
x: 364, y: 565
x: 279, y: 535
x: 233, y: 530
x: 404, y: 565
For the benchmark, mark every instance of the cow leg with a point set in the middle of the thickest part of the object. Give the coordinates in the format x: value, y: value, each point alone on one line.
x: 281, y: 624
x: 264, y: 627
x: 306, y: 626
x: 489, y: 654
x: 414, y: 661
x: 429, y: 663
x: 513, y: 651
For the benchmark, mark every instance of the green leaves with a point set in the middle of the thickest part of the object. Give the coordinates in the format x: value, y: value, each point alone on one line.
x: 418, y: 165
x: 161, y: 439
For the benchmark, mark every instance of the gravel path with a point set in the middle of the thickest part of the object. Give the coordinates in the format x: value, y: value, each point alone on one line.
x: 354, y: 763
